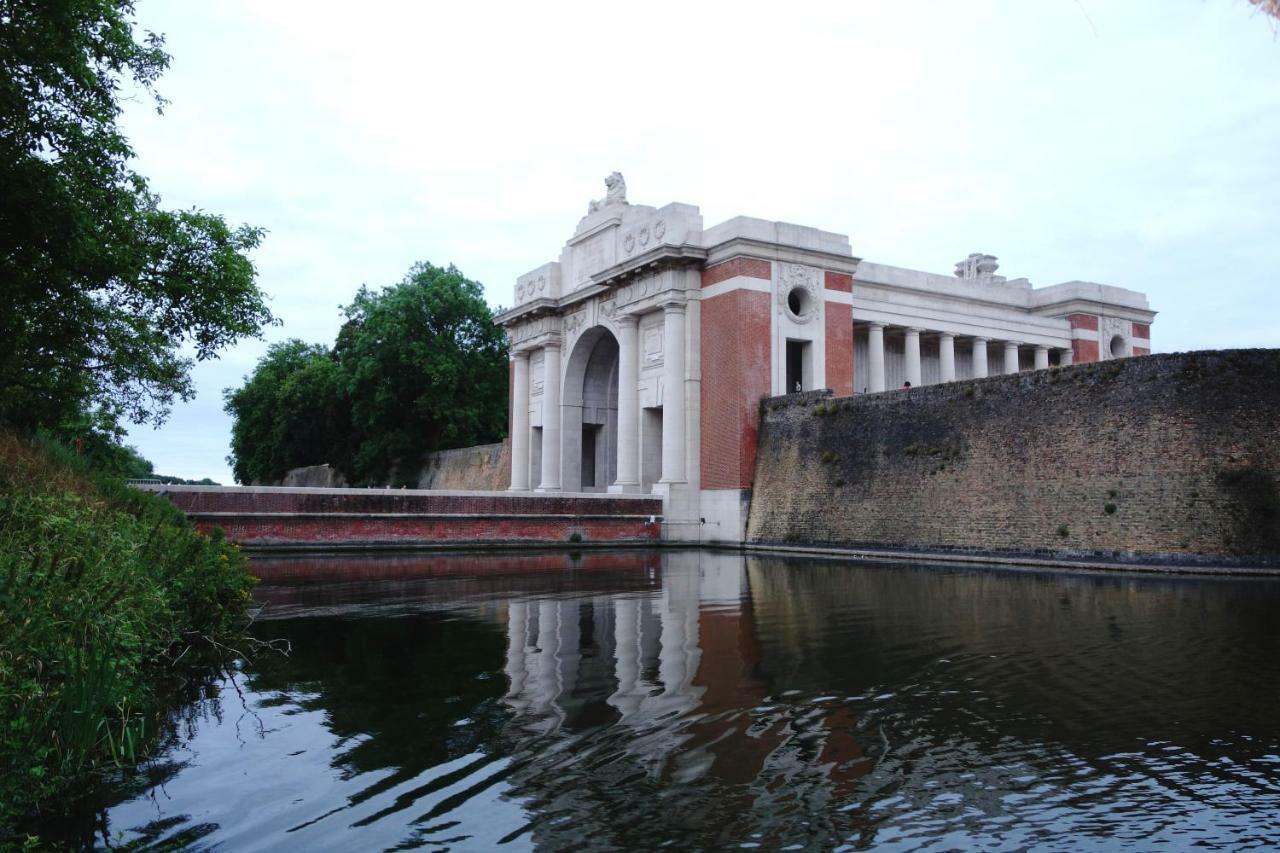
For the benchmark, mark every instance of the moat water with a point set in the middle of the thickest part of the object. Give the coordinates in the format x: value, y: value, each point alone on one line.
x: 711, y: 701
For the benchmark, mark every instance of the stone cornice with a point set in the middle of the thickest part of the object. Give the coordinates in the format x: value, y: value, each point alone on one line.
x: 1090, y: 306
x: 780, y: 252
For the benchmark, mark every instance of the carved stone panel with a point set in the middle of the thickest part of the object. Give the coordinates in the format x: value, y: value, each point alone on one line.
x: 652, y: 347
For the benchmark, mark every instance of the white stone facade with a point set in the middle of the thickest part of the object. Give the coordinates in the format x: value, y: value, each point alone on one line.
x: 640, y: 356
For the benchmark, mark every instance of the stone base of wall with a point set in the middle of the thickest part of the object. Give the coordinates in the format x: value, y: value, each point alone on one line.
x: 1158, y: 459
x: 280, y: 517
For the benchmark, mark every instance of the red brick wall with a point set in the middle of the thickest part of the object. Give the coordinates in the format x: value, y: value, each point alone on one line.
x: 840, y: 348
x: 1083, y: 321
x: 735, y: 377
x: 746, y: 267
x: 1142, y: 351
x: 285, y: 529
x: 1084, y: 351
x: 839, y: 281
x: 1142, y: 330
x: 421, y: 518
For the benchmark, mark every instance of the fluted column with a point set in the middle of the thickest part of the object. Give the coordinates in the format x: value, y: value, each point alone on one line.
x: 673, y: 449
x: 551, y: 418
x: 1065, y: 357
x: 628, y: 406
x: 1010, y: 356
x: 979, y: 358
x: 1042, y: 358
x: 875, y: 355
x: 520, y: 422
x: 913, y: 357
x: 947, y: 356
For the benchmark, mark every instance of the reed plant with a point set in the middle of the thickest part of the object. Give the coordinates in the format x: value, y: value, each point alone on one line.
x: 109, y: 599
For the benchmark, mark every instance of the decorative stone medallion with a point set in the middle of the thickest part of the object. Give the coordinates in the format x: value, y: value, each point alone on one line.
x: 644, y: 236
x: 801, y: 281
x: 629, y: 243
x: 659, y: 229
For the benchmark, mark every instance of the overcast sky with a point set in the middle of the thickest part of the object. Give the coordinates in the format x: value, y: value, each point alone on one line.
x: 1130, y: 143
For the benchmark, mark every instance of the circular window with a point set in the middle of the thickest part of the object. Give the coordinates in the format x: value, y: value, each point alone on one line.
x: 798, y: 301
x: 1117, y: 346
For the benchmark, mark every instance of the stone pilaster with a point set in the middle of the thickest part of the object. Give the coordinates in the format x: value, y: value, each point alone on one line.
x: 673, y: 421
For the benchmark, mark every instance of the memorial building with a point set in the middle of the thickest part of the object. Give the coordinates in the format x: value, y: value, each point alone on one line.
x: 639, y: 358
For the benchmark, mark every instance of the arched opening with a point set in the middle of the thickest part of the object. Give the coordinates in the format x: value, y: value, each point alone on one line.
x: 589, y: 413
x: 1117, y: 346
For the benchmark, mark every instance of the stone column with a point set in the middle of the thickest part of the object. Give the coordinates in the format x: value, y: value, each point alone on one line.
x: 673, y: 448
x: 1066, y: 357
x: 913, y: 357
x: 1010, y: 356
x: 875, y: 355
x: 628, y: 406
x: 947, y: 356
x: 1042, y: 358
x: 979, y: 358
x: 520, y: 422
x: 551, y: 418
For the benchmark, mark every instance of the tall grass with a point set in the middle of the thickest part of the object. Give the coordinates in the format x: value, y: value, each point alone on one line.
x: 107, y: 598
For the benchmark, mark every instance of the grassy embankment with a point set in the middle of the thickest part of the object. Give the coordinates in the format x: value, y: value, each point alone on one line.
x: 108, y: 601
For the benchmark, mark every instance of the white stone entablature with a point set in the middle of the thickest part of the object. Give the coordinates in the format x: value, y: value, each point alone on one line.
x: 640, y: 356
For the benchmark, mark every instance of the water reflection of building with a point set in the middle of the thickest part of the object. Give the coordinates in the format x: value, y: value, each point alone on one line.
x: 657, y: 695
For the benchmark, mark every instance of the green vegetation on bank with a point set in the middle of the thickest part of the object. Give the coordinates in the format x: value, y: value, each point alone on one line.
x: 417, y: 367
x: 109, y: 599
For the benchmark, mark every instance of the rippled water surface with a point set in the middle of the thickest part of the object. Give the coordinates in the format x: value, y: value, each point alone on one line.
x: 701, y: 701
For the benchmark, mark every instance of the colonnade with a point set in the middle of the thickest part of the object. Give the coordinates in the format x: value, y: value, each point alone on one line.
x: 628, y: 444
x: 946, y: 355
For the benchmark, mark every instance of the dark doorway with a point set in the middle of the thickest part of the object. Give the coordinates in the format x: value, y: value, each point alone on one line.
x: 589, y: 432
x: 797, y: 355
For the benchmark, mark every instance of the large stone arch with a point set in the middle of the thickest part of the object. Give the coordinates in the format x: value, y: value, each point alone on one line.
x: 589, y: 412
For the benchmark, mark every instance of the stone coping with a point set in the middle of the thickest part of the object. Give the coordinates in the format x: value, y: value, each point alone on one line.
x: 1030, y: 563
x: 444, y: 493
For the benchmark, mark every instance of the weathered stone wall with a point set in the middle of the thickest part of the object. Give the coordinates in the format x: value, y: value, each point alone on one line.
x: 1165, y: 457
x: 485, y: 467
x: 314, y: 476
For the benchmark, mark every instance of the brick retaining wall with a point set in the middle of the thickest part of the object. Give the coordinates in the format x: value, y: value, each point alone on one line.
x: 1171, y: 458
x: 281, y: 517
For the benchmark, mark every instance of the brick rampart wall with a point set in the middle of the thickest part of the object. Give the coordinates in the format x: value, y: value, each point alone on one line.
x: 265, y: 516
x: 1166, y: 458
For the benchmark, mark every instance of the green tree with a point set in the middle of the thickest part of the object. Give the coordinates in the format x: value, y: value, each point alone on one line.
x: 426, y: 370
x: 291, y: 411
x: 102, y: 289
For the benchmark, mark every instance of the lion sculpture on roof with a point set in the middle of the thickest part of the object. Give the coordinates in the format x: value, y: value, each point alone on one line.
x: 615, y: 193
